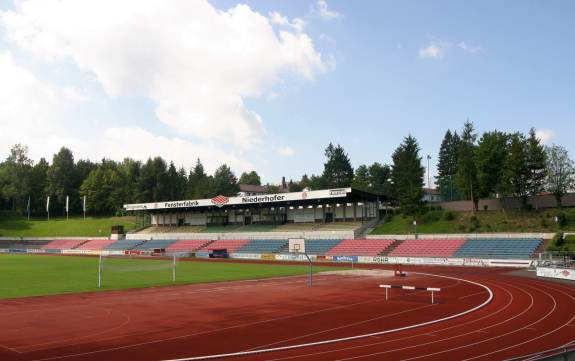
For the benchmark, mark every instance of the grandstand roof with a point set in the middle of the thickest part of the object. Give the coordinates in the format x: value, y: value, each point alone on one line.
x: 324, y: 196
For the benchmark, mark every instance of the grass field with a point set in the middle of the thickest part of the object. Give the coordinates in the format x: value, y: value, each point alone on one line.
x: 16, y: 226
x: 463, y: 222
x: 35, y: 275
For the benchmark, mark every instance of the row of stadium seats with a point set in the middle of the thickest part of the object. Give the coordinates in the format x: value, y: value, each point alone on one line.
x: 232, y: 245
x: 64, y: 244
x: 427, y: 248
x: 154, y: 244
x: 187, y: 245
x: 96, y: 244
x: 461, y: 248
x: 263, y: 246
x: 360, y: 247
x: 498, y: 248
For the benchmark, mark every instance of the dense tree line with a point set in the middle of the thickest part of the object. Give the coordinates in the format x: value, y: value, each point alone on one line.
x: 501, y: 164
x: 107, y: 185
x: 469, y: 167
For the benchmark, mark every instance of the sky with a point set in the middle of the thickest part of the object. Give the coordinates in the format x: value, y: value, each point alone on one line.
x: 266, y: 85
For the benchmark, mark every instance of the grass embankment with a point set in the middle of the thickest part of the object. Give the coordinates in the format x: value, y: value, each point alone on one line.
x: 35, y: 275
x: 16, y: 226
x: 481, y: 222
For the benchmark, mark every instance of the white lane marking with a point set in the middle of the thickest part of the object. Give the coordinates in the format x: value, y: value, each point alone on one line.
x: 350, y: 338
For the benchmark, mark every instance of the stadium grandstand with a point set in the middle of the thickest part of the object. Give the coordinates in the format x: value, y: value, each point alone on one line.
x: 329, y: 209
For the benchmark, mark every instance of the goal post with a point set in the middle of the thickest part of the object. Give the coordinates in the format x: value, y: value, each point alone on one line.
x: 146, y: 267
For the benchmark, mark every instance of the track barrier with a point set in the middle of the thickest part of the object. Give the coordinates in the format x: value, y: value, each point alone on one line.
x: 411, y: 288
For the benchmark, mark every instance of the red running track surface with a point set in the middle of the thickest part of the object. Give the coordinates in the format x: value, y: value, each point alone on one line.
x: 525, y: 316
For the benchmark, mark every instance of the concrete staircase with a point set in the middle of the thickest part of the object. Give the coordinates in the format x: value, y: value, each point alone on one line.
x: 390, y: 249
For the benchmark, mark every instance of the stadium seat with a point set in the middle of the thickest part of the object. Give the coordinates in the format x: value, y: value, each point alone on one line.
x: 263, y: 246
x: 64, y: 244
x: 427, y: 248
x: 230, y: 244
x: 187, y: 245
x: 96, y: 244
x: 499, y: 248
x: 320, y: 247
x: 360, y: 247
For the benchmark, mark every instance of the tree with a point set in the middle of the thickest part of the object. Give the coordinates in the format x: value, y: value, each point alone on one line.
x: 337, y: 170
x: 560, y: 172
x: 536, y: 163
x: 517, y: 170
x: 407, y: 174
x: 153, y: 184
x: 361, y: 178
x: 15, y: 177
x: 491, y: 157
x: 466, y: 174
x: 103, y: 189
x: 379, y: 178
x: 251, y: 178
x: 224, y: 182
x: 447, y: 165
x: 198, y: 182
x: 272, y: 189
x: 294, y: 186
x: 61, y: 176
x: 130, y: 170
x: 38, y: 185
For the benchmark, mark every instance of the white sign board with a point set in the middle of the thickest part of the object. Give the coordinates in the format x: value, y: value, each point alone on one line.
x: 562, y: 273
x: 220, y: 201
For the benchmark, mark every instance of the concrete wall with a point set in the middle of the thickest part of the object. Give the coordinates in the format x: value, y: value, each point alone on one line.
x: 495, y: 204
x: 463, y: 236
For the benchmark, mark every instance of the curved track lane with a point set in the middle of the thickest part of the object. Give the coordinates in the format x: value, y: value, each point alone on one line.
x: 525, y: 316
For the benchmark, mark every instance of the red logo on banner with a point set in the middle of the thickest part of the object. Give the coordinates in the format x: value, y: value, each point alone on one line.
x: 304, y: 195
x: 220, y: 200
x: 566, y: 273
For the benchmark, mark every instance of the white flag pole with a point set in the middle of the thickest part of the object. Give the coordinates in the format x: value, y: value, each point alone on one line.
x: 28, y: 208
x: 48, y: 207
x: 84, y: 207
x: 67, y: 206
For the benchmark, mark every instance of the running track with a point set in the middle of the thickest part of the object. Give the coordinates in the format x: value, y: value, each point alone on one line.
x: 526, y: 315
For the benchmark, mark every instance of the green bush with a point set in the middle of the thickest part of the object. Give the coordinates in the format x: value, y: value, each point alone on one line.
x: 561, y: 219
x: 558, y: 239
x: 448, y: 215
x: 388, y: 218
x: 431, y: 216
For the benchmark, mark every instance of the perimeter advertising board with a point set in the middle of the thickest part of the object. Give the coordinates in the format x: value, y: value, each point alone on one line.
x: 562, y: 273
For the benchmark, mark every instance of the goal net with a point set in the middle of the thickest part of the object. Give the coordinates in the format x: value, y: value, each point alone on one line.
x: 135, y: 270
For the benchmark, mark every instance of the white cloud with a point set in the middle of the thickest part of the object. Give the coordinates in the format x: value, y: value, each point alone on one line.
x: 544, y: 135
x: 286, y: 151
x: 469, y: 48
x: 297, y: 24
x: 434, y: 50
x: 323, y: 11
x: 196, y: 63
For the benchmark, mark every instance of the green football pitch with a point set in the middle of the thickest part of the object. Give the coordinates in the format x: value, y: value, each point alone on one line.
x: 36, y: 275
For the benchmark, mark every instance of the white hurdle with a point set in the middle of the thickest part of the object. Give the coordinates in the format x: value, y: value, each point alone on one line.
x: 412, y: 288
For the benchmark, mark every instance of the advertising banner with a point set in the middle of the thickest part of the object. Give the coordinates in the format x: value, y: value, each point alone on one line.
x: 268, y: 257
x: 257, y: 199
x: 294, y: 257
x: 245, y: 255
x: 347, y: 259
x: 562, y: 273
